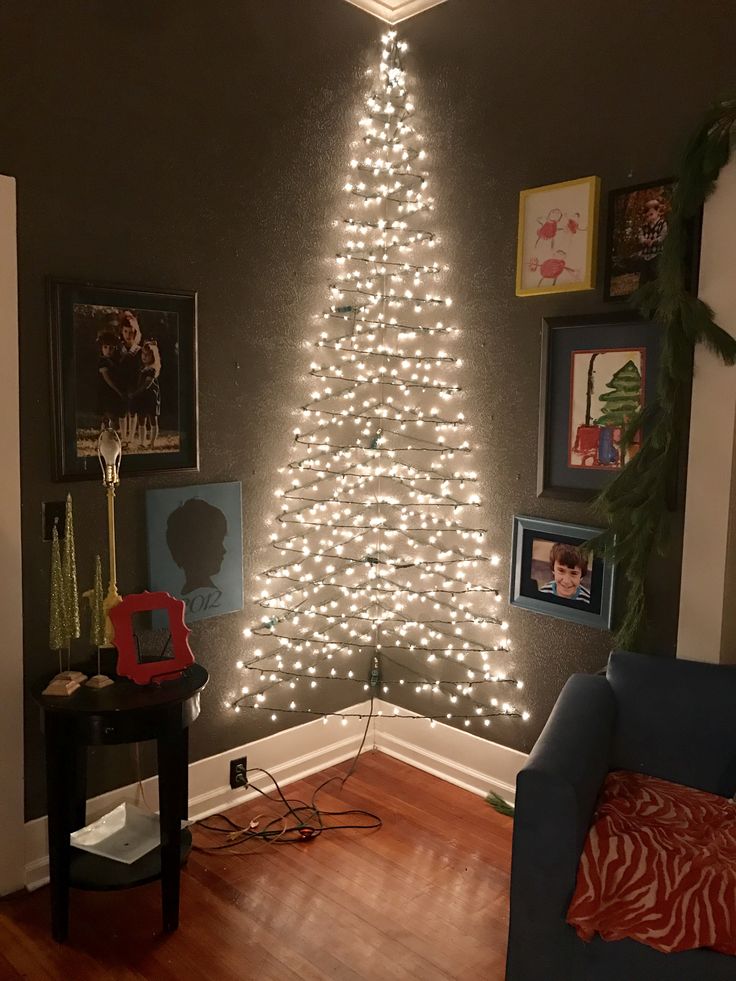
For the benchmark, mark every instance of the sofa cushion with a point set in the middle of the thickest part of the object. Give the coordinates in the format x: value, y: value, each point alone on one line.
x: 659, y: 867
x: 676, y: 719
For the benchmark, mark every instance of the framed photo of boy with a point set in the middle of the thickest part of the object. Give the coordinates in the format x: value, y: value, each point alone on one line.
x: 638, y: 224
x: 552, y: 573
x: 557, y: 237
x: 597, y: 372
x: 125, y: 357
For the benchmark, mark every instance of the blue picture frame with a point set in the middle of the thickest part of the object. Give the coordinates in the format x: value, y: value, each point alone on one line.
x: 535, y: 588
x: 195, y: 548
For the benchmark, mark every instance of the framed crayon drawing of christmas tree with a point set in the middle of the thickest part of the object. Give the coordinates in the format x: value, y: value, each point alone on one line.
x: 597, y: 374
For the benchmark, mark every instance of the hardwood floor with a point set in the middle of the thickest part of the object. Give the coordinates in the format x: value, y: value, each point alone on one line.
x: 424, y: 897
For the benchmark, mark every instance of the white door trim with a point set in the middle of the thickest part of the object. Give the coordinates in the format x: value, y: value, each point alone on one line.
x: 707, y: 623
x: 11, y: 599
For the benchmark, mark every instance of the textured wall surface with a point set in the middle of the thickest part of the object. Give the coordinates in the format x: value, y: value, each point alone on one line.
x: 204, y: 145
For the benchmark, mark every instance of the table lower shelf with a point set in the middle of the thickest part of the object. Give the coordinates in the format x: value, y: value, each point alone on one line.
x: 88, y: 871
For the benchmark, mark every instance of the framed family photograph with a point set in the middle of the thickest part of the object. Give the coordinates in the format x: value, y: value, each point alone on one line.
x: 123, y: 357
x: 597, y: 373
x: 552, y: 572
x: 638, y: 224
x: 558, y: 231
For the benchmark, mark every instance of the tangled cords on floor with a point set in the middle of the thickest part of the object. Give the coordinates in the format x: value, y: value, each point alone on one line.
x: 301, y: 821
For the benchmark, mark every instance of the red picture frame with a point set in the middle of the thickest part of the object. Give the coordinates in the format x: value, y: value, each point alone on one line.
x: 150, y: 671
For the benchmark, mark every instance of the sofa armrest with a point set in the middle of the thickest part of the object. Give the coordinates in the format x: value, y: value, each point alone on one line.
x: 574, y: 748
x: 556, y: 793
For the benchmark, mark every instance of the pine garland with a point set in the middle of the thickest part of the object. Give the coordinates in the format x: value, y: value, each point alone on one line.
x: 636, y: 506
x: 499, y: 804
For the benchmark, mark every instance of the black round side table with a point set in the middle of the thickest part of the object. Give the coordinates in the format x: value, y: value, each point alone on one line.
x: 122, y: 713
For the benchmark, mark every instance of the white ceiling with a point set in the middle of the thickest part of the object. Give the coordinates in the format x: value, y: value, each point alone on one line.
x: 393, y: 11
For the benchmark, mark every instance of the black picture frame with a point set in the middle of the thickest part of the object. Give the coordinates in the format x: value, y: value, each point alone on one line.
x: 566, y: 342
x: 145, y: 386
x: 529, y: 559
x: 625, y: 268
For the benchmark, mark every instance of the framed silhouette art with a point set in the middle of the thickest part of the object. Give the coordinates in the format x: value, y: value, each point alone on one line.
x: 195, y: 547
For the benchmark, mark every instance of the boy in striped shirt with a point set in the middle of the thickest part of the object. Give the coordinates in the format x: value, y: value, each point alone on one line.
x: 569, y: 566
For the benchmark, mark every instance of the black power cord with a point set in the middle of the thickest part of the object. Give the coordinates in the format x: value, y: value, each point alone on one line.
x: 300, y: 821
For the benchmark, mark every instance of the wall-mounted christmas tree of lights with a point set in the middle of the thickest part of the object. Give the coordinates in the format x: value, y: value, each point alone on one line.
x: 383, y: 580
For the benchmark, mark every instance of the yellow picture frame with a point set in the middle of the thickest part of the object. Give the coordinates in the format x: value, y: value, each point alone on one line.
x: 557, y: 246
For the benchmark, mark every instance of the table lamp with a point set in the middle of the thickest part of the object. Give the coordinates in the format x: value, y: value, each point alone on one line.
x: 109, y: 452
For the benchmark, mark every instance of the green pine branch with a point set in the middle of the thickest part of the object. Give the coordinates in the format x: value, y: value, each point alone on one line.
x: 637, y: 504
x: 499, y: 804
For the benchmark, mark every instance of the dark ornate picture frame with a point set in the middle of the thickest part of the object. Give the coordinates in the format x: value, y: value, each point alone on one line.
x: 625, y: 266
x: 531, y: 536
x: 566, y: 342
x: 127, y: 355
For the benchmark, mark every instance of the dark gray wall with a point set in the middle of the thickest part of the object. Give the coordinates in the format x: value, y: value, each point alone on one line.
x: 203, y: 146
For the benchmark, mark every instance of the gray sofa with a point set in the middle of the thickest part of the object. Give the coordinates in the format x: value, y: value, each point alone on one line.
x: 670, y: 718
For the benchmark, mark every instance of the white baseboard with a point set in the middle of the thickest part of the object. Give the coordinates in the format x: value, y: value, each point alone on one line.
x: 455, y: 755
x: 459, y: 757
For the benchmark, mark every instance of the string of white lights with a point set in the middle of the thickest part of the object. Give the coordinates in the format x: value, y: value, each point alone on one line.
x: 384, y: 585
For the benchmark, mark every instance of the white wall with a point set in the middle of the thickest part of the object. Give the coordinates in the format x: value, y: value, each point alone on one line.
x: 11, y: 654
x: 707, y: 625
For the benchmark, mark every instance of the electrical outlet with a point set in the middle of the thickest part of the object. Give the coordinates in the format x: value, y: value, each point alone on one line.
x: 239, y: 773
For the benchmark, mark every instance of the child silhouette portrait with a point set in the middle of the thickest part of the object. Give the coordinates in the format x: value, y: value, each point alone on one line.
x: 195, y: 534
x: 195, y: 546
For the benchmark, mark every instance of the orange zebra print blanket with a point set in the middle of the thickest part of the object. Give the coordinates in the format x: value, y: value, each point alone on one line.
x: 659, y: 866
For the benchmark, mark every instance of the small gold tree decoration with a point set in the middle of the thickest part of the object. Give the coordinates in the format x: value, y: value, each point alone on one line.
x: 57, y: 627
x: 97, y: 636
x: 61, y: 615
x: 97, y: 620
x: 70, y: 593
x: 69, y: 571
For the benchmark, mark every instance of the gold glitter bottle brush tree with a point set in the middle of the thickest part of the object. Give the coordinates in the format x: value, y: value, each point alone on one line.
x: 71, y: 594
x: 63, y: 607
x: 97, y: 635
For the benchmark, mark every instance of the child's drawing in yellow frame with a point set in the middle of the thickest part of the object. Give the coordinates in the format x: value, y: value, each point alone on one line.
x: 558, y: 231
